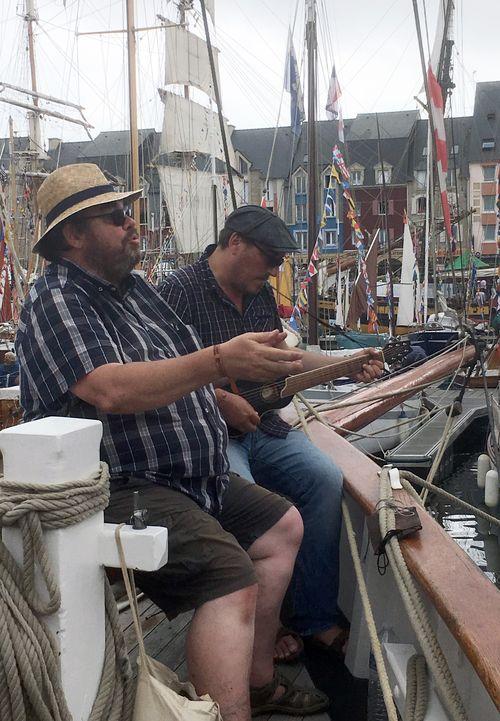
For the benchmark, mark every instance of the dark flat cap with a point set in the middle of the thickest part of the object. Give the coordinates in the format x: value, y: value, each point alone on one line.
x: 262, y: 227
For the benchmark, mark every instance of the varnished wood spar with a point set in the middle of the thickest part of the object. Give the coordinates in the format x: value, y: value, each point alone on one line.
x: 465, y: 599
x: 351, y: 418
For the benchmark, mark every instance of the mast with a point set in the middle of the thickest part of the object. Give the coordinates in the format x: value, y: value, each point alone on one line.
x: 312, y: 220
x: 389, y: 254
x: 132, y: 91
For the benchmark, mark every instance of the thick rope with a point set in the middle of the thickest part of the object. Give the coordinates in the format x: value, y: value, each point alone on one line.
x: 417, y: 689
x: 370, y: 620
x: 30, y: 685
x: 415, y: 608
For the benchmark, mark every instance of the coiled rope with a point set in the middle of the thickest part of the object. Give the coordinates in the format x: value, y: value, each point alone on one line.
x: 30, y: 686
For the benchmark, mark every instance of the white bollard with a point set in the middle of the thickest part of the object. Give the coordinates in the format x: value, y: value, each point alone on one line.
x: 59, y: 450
x: 491, y: 489
x: 483, y: 466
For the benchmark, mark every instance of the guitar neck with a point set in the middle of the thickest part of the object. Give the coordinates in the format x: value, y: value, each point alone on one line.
x: 302, y: 381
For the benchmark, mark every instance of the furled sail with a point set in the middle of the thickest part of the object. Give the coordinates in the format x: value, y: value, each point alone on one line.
x: 406, y: 305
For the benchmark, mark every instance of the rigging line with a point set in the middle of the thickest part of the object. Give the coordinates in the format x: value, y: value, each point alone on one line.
x: 382, y: 46
x: 394, y: 70
x: 426, y: 30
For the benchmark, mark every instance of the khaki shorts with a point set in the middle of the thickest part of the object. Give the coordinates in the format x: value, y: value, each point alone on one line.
x: 207, y: 555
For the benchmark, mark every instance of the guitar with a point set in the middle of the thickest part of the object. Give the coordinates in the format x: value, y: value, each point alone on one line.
x: 277, y: 394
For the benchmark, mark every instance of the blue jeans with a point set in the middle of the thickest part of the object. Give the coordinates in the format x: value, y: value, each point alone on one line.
x: 295, y: 468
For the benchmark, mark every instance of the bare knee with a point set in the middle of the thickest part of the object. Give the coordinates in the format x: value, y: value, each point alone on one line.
x: 291, y: 528
x: 239, y: 606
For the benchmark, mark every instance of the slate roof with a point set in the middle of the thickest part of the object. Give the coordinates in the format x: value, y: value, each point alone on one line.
x: 485, y: 122
x: 458, y: 132
x: 395, y: 131
x: 113, y: 143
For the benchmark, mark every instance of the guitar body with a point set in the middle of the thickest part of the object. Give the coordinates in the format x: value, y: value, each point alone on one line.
x: 263, y: 398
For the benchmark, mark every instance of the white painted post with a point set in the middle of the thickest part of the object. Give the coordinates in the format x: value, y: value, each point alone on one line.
x: 57, y: 450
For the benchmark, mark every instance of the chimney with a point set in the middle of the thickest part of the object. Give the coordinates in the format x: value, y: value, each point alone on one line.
x: 54, y: 143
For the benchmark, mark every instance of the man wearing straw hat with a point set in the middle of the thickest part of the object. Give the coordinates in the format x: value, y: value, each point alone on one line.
x: 96, y: 341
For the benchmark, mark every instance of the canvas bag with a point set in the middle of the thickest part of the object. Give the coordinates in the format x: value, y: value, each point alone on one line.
x: 160, y: 695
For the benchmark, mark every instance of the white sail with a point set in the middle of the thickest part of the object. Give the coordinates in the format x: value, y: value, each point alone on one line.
x: 188, y: 195
x: 406, y: 305
x: 187, y: 60
x: 189, y: 127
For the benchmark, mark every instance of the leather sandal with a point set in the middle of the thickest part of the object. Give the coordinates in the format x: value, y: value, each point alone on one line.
x: 294, y: 701
x: 293, y: 655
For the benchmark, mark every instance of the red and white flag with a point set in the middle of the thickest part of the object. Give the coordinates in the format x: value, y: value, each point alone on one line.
x: 437, y: 113
x: 333, y: 109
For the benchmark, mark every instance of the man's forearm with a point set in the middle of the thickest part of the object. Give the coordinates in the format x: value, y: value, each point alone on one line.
x: 142, y: 386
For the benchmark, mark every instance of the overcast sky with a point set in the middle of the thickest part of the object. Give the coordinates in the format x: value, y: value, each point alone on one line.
x: 373, y: 43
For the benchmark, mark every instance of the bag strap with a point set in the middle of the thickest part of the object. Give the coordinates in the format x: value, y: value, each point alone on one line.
x: 128, y: 579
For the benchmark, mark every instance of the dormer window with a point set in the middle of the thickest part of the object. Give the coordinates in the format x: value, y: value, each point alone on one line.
x: 488, y: 144
x: 380, y: 177
x: 357, y: 173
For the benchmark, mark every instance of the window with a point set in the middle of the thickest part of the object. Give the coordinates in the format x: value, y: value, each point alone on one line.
x: 330, y: 238
x: 382, y: 207
x: 301, y: 183
x: 387, y: 175
x: 329, y: 206
x: 356, y: 177
x: 420, y: 177
x: 301, y: 238
x: 488, y: 232
x: 424, y: 151
x: 490, y: 116
x: 454, y: 150
x: 300, y: 213
x: 358, y: 209
x: 243, y: 166
x: 488, y: 172
x: 488, y: 144
x: 421, y: 204
x: 382, y: 238
x: 488, y: 203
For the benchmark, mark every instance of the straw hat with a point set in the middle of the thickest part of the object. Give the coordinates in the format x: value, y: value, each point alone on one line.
x: 70, y: 189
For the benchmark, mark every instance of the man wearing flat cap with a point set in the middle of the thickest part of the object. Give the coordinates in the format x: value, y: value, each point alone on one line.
x: 96, y: 341
x: 226, y: 293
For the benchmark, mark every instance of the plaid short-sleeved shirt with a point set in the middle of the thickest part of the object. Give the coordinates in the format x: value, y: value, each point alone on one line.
x: 72, y: 323
x: 194, y: 294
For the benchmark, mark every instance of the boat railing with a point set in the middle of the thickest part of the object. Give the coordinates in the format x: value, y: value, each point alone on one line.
x: 463, y: 603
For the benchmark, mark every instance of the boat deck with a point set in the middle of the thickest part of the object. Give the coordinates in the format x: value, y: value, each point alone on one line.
x: 421, y: 446
x: 165, y: 641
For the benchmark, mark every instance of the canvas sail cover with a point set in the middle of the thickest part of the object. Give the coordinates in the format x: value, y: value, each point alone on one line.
x: 189, y: 127
x: 188, y: 195
x: 187, y: 61
x: 359, y: 304
x: 406, y: 305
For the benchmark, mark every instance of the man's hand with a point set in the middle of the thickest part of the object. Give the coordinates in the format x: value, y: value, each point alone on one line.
x: 256, y: 357
x: 237, y: 412
x: 372, y: 369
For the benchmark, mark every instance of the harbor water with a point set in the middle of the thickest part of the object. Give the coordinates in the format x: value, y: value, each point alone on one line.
x: 479, y: 539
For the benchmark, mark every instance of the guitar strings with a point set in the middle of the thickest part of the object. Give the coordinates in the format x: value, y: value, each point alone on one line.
x: 257, y: 392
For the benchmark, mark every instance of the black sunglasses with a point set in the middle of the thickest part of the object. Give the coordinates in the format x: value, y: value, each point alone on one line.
x: 117, y: 216
x: 274, y: 259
